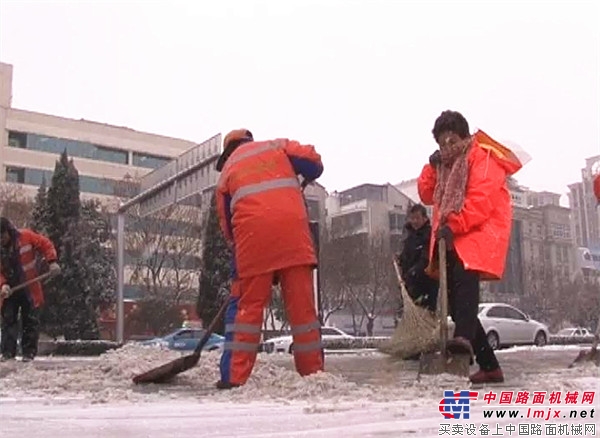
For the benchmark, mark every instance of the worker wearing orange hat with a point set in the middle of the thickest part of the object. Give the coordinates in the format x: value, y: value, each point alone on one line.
x: 263, y: 217
x: 597, y: 187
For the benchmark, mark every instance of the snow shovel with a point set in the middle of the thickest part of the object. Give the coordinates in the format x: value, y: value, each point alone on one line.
x: 443, y: 361
x: 27, y: 283
x: 166, y: 372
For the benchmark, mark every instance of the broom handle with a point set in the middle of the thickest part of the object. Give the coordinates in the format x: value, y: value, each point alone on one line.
x: 443, y: 296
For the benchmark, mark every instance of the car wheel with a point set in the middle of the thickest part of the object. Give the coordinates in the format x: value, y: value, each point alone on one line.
x: 493, y: 340
x: 540, y: 339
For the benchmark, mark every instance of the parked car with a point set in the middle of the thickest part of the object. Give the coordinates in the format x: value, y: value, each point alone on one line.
x: 506, y: 325
x: 575, y: 332
x: 284, y: 344
x: 187, y: 339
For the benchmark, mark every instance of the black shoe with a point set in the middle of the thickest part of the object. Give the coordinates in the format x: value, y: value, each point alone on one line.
x: 27, y: 358
x: 6, y: 358
x: 224, y: 385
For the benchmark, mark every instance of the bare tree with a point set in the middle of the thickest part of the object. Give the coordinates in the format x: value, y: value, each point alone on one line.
x: 335, y: 273
x: 15, y: 205
x: 165, y: 250
x: 375, y: 292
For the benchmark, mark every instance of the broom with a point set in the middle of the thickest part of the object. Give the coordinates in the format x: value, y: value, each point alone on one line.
x: 417, y: 330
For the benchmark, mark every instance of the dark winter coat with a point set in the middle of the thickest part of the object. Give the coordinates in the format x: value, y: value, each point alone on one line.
x: 414, y: 258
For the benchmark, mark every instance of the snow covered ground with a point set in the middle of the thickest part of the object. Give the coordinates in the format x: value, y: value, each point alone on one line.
x: 95, y: 398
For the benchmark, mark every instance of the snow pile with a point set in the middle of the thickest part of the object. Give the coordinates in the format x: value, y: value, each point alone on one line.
x: 109, y: 379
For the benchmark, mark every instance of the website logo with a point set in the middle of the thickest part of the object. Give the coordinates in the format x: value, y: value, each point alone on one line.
x: 457, y: 405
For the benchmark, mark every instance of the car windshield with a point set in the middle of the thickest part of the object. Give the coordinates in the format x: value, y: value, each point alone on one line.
x: 565, y: 332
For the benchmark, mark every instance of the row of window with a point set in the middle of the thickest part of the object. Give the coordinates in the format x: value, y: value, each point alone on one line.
x: 83, y: 149
x: 87, y: 184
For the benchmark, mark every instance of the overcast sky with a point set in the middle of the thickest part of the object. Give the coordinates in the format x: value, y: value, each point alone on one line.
x: 361, y: 80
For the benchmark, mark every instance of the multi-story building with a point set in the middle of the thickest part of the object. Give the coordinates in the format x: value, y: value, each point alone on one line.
x: 586, y: 222
x: 541, y: 245
x: 586, y: 215
x: 369, y: 209
x: 30, y: 143
x: 105, y: 156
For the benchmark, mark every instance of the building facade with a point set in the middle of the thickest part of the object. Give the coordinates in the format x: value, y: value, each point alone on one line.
x: 583, y: 204
x: 104, y: 155
x: 111, y: 161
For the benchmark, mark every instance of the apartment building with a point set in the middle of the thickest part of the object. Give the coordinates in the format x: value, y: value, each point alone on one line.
x: 368, y: 209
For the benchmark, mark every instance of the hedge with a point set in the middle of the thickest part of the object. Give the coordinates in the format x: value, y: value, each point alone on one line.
x: 76, y: 348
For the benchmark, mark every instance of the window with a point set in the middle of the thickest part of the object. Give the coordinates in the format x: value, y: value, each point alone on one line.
x: 149, y: 161
x: 560, y: 231
x: 34, y: 177
x: 17, y: 139
x: 511, y: 313
x: 74, y: 148
x: 185, y: 334
x: 15, y: 175
x: 496, y: 312
x: 397, y: 221
x: 329, y: 332
x: 313, y: 209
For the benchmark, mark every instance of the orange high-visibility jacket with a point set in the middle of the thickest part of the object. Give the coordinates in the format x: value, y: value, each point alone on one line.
x: 29, y: 243
x: 597, y: 187
x: 482, y: 228
x: 261, y: 207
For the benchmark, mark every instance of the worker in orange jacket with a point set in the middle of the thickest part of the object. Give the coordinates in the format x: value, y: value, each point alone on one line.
x: 263, y: 217
x: 465, y: 181
x: 18, y: 249
x: 597, y: 187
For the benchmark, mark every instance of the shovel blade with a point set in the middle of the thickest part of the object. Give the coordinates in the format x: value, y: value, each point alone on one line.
x: 166, y: 372
x: 437, y: 363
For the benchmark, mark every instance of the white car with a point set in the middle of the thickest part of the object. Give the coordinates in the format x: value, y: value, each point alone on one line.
x: 575, y: 332
x: 285, y: 344
x: 506, y: 325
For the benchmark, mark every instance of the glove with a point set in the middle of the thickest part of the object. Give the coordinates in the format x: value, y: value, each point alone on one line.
x: 435, y: 159
x: 5, y: 291
x: 54, y: 269
x: 446, y: 233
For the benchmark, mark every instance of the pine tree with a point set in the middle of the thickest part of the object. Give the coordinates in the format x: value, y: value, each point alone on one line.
x: 39, y: 216
x: 64, y: 205
x: 80, y: 234
x: 215, y: 269
x: 89, y: 273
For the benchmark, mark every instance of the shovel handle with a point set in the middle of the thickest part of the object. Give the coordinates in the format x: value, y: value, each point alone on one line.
x: 443, y: 296
x: 28, y: 282
x: 211, y: 327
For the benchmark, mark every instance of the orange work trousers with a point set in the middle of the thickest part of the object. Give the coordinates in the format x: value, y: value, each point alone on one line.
x: 244, y: 319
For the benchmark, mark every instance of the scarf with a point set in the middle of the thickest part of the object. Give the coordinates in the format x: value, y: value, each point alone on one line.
x: 452, y: 175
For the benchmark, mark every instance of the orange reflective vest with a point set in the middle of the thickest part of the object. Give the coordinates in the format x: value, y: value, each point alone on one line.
x: 261, y: 207
x: 597, y: 187
x: 28, y: 244
x: 482, y: 228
